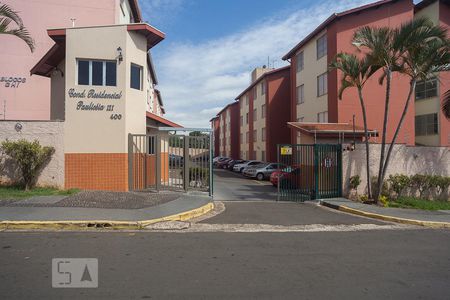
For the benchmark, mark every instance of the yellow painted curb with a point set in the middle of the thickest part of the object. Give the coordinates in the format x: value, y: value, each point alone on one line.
x: 394, y: 219
x: 105, y: 224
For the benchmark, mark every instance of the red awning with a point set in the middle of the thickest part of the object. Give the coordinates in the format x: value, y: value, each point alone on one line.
x: 330, y: 129
x: 163, y: 121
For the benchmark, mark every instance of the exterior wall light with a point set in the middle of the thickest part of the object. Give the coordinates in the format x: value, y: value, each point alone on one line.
x: 119, y: 54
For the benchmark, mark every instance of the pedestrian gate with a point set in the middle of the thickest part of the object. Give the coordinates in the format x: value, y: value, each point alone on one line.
x: 311, y: 172
x: 166, y: 161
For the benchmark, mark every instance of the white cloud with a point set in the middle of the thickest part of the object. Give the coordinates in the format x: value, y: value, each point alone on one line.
x: 196, y: 79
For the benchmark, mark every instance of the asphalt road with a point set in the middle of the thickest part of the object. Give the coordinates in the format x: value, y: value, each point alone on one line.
x: 379, y: 264
x: 230, y: 186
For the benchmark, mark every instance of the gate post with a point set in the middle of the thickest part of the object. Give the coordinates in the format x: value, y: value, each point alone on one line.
x: 316, y: 193
x: 130, y: 162
x: 211, y: 182
x: 158, y: 162
x: 186, y: 163
x: 278, y: 179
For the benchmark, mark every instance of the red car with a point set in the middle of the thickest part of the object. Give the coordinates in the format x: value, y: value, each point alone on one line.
x: 223, y: 164
x: 275, y: 176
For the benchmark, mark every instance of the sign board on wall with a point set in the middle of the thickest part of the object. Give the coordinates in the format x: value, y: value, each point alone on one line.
x: 286, y: 150
x: 11, y: 81
x: 92, y: 105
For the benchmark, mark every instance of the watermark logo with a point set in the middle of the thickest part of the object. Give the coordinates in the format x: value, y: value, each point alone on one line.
x: 75, y: 273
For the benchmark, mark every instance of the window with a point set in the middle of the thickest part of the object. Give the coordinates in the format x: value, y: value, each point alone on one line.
x: 263, y: 155
x: 300, y: 61
x: 263, y: 111
x: 241, y: 121
x: 322, y: 84
x: 426, y: 124
x: 136, y: 77
x: 263, y: 88
x: 322, y: 117
x: 263, y: 134
x: 321, y: 45
x: 255, y: 135
x: 247, y: 137
x: 301, y: 94
x: 246, y: 118
x: 254, y: 90
x: 97, y: 72
x: 255, y: 115
x: 426, y: 89
x: 241, y: 136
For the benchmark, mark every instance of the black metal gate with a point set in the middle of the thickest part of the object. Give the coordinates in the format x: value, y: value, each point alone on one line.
x: 169, y: 162
x: 311, y: 172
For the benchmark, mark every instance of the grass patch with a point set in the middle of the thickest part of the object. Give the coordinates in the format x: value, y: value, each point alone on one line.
x: 15, y: 192
x: 410, y: 202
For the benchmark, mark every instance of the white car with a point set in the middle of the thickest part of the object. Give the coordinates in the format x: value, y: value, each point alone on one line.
x: 240, y: 167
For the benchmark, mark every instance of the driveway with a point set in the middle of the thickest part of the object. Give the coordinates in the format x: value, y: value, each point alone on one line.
x: 230, y: 186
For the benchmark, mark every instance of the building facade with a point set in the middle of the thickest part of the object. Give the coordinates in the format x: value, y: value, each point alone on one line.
x: 314, y: 89
x: 264, y: 110
x: 431, y: 126
x: 228, y: 133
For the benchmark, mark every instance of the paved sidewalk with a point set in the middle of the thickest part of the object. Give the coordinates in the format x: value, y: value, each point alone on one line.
x: 184, y: 203
x: 402, y: 215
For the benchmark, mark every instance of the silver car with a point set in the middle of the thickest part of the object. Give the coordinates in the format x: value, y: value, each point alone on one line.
x: 262, y: 171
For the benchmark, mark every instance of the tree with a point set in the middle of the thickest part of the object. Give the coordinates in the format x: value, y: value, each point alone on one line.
x: 30, y: 157
x: 355, y: 73
x: 446, y: 105
x: 8, y: 16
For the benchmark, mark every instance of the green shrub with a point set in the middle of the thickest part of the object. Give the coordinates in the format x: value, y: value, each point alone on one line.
x: 30, y: 157
x: 384, y: 188
x: 440, y: 183
x: 422, y: 183
x: 384, y: 200
x: 363, y: 198
x: 399, y: 183
x: 355, y: 181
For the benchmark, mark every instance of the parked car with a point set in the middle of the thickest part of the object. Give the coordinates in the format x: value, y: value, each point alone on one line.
x: 220, y: 160
x: 216, y: 159
x: 262, y: 171
x: 240, y: 167
x: 223, y: 163
x: 234, y: 162
x: 276, y: 175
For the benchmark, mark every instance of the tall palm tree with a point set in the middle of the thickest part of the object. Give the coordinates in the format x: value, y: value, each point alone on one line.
x: 423, y: 50
x: 446, y: 105
x: 8, y: 16
x: 355, y: 73
x: 376, y: 43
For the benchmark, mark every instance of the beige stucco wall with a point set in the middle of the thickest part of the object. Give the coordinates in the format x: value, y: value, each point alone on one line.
x: 89, y: 131
x: 429, y: 105
x: 260, y: 123
x: 48, y: 133
x: 57, y: 93
x: 244, y: 147
x: 406, y: 160
x: 308, y: 76
x: 125, y: 16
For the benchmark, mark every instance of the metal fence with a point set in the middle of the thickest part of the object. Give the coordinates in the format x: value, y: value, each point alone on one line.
x: 169, y: 162
x: 312, y: 172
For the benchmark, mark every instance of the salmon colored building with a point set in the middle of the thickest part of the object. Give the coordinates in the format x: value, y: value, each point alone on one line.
x: 314, y: 89
x: 431, y: 126
x: 228, y: 131
x: 264, y: 110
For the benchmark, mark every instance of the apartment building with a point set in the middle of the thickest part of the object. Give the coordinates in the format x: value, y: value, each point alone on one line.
x: 27, y: 97
x: 431, y: 126
x: 263, y: 114
x: 215, y: 126
x: 314, y: 89
x: 228, y: 132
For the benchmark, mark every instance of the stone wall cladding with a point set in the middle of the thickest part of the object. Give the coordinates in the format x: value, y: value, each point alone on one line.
x: 407, y: 160
x: 48, y: 133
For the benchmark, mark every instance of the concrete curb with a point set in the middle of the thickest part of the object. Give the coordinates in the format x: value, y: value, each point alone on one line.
x: 347, y: 209
x: 104, y: 224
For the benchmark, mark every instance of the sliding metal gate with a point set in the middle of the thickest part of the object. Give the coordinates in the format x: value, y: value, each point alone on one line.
x: 169, y: 162
x: 312, y: 172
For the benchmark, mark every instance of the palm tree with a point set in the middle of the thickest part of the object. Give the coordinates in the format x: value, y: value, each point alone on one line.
x: 423, y: 50
x: 446, y: 105
x: 8, y: 16
x: 355, y: 73
x: 377, y: 43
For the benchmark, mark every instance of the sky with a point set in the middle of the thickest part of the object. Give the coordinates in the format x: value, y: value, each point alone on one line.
x: 212, y: 46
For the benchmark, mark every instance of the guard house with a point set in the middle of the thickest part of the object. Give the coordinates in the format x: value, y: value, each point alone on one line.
x: 102, y: 87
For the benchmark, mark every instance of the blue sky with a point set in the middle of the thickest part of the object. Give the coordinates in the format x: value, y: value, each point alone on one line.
x: 211, y: 47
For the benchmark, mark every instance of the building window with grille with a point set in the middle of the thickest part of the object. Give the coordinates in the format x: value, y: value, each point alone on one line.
x: 241, y: 136
x: 300, y: 61
x: 247, y: 137
x: 136, y: 77
x: 263, y: 134
x: 241, y: 120
x: 301, y: 94
x: 246, y: 118
x: 322, y: 84
x: 255, y: 136
x: 322, y: 117
x: 97, y: 72
x: 263, y: 88
x: 426, y: 124
x: 426, y: 89
x: 263, y: 111
x: 321, y: 44
x: 255, y: 115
